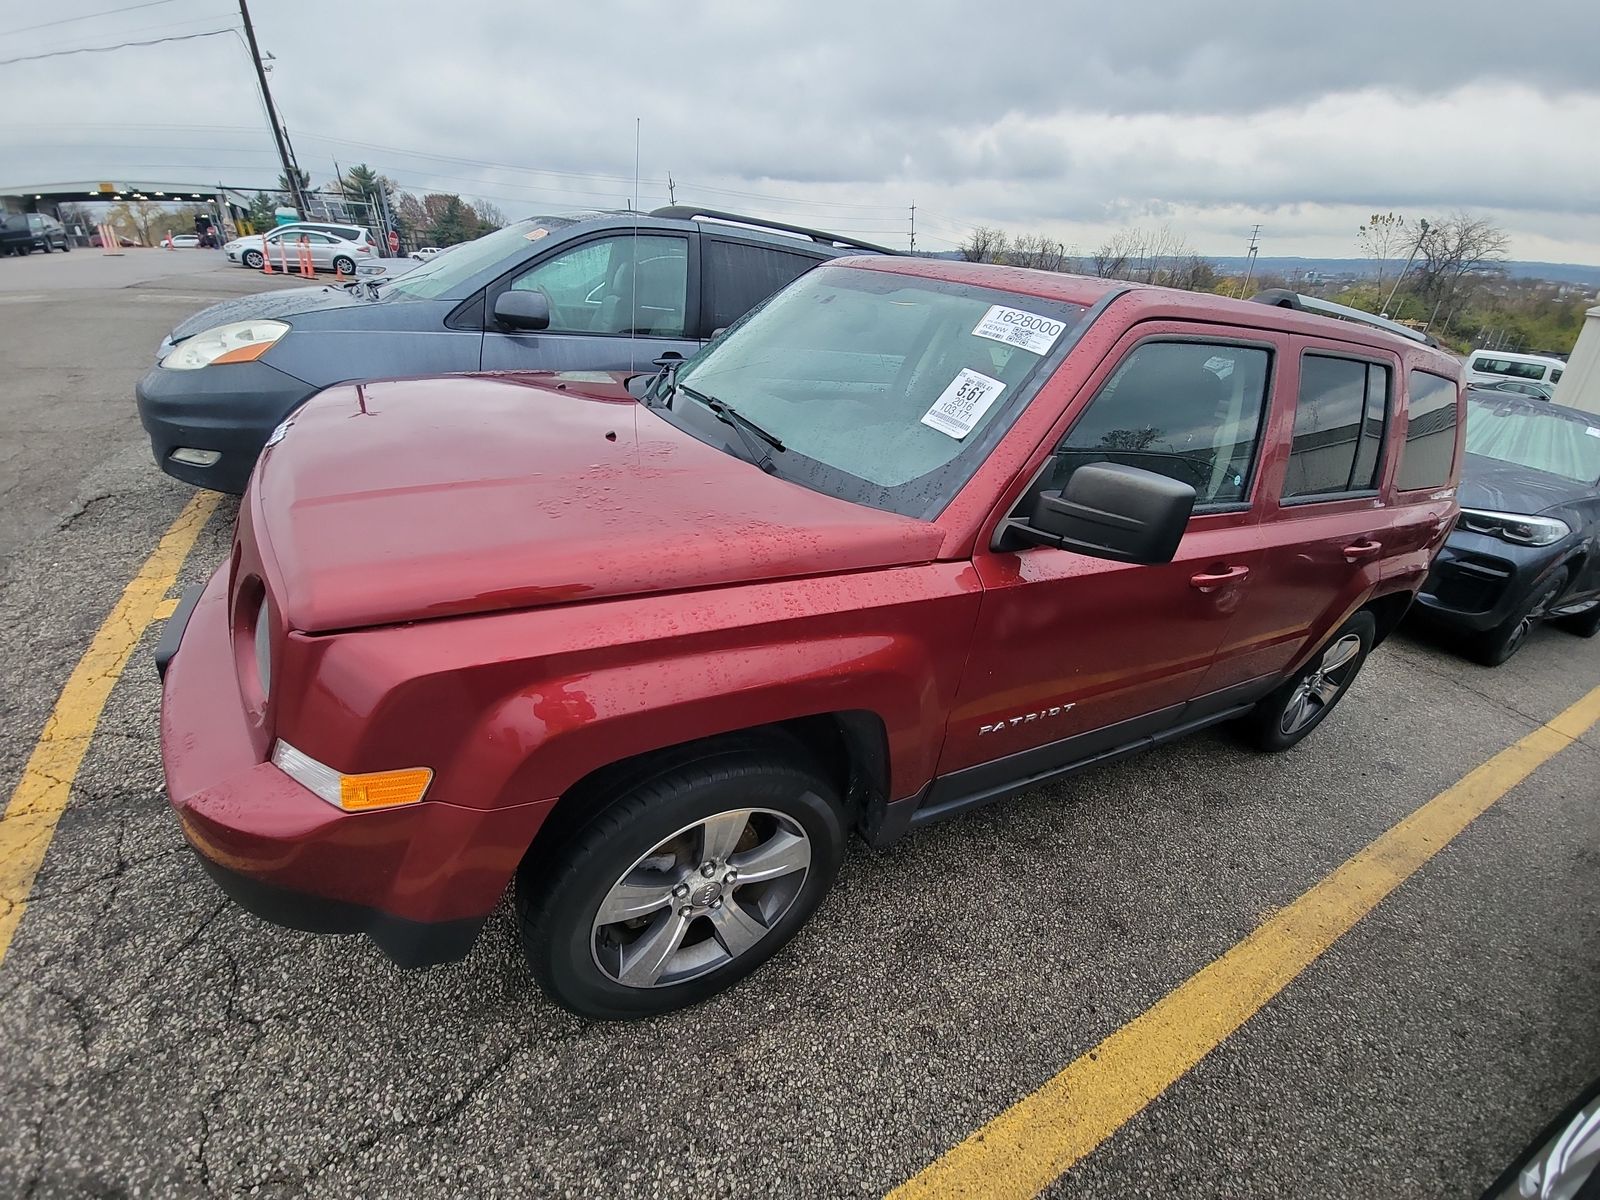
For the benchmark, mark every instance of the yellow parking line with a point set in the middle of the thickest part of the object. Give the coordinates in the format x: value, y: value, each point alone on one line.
x: 1039, y: 1138
x: 41, y: 794
x: 165, y: 609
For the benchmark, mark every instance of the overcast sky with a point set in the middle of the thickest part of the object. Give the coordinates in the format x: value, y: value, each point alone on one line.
x: 1070, y: 119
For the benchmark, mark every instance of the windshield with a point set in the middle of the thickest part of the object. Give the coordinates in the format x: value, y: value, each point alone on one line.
x: 1544, y: 438
x: 884, y: 389
x: 442, y: 274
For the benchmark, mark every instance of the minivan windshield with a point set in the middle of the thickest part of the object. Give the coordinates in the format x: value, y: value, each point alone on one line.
x: 442, y: 274
x: 884, y: 389
x: 1544, y: 438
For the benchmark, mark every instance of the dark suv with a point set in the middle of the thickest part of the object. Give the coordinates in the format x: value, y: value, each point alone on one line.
x: 23, y: 233
x: 916, y: 535
x: 611, y: 291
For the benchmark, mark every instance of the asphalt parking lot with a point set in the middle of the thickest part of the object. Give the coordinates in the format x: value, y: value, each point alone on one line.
x: 156, y: 1041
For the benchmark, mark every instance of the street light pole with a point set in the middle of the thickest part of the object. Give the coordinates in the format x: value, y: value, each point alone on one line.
x: 291, y: 173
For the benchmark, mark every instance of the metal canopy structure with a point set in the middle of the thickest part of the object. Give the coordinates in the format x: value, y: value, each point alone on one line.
x: 28, y: 196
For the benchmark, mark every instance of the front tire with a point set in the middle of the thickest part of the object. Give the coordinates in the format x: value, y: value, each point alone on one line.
x: 1304, y: 701
x: 685, y: 883
x: 252, y: 259
x: 1500, y: 643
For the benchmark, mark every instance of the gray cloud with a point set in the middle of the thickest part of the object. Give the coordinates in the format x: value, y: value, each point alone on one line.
x: 1067, y: 118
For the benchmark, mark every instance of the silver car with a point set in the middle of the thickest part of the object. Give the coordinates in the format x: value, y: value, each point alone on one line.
x: 333, y: 247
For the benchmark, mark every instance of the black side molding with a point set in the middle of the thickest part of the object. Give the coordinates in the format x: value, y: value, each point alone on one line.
x: 172, y: 635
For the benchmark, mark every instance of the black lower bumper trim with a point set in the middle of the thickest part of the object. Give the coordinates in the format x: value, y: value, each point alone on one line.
x: 407, y: 943
x: 172, y: 634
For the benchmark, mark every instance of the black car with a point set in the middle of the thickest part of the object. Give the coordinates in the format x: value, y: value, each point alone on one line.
x: 609, y: 291
x: 1527, y: 545
x: 23, y: 233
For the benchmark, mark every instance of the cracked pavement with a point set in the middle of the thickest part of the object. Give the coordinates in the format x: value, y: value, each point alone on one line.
x: 157, y: 1041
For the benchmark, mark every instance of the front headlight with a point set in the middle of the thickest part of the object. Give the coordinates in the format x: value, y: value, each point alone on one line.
x: 241, y: 341
x: 1513, y: 527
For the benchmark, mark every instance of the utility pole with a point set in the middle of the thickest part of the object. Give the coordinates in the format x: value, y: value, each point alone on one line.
x: 1250, y: 260
x: 291, y: 173
x: 1422, y: 232
x: 913, y: 227
x: 672, y: 190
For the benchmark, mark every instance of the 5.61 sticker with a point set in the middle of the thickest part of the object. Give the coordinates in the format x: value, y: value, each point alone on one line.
x: 1018, y: 327
x: 962, y: 404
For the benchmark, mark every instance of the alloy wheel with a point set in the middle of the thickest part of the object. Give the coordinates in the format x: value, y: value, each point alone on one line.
x: 1321, y: 685
x: 700, y: 898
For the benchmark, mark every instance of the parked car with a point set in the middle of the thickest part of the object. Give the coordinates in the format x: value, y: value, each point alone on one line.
x: 185, y: 241
x: 1520, y: 387
x: 332, y: 249
x: 914, y: 536
x: 1491, y: 366
x: 98, y: 242
x: 607, y: 291
x: 1527, y: 545
x: 23, y: 233
x: 426, y: 251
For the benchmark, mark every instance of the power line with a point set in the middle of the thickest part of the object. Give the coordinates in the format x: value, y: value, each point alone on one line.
x: 85, y: 17
x: 182, y: 37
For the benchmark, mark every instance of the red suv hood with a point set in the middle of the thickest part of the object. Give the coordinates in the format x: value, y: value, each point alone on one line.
x: 400, y: 501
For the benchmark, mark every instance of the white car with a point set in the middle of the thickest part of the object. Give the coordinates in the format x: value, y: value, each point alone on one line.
x: 333, y: 247
x: 184, y: 241
x: 426, y: 252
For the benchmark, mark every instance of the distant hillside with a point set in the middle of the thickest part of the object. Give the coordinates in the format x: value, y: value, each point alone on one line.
x: 1576, y: 273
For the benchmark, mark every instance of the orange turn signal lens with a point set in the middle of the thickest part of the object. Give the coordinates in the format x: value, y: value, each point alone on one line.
x: 383, y: 789
x: 244, y: 353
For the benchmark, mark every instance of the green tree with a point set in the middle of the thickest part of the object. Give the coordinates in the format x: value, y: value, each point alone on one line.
x: 305, y: 181
x: 261, y: 211
x: 450, y: 221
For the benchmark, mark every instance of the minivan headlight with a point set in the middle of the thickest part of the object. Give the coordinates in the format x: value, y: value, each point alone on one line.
x: 241, y: 341
x: 1513, y: 527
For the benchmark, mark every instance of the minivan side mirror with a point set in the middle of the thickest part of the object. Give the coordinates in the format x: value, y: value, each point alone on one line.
x: 522, y: 310
x: 1108, y: 510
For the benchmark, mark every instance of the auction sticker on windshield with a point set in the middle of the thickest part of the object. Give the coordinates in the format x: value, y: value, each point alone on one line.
x: 1018, y: 327
x: 962, y: 404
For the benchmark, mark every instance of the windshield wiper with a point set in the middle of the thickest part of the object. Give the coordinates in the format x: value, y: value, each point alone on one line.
x: 742, y: 425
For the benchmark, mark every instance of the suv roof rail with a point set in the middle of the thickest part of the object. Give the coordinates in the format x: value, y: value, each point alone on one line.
x: 1284, y: 298
x: 693, y: 212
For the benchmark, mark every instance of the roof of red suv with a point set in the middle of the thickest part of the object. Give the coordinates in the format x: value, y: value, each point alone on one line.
x: 1151, y: 300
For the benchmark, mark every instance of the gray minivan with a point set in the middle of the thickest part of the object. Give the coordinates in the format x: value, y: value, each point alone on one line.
x: 603, y: 291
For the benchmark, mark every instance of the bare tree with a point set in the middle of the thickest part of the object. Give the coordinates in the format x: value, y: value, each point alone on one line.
x: 1038, y: 252
x: 489, y: 215
x: 986, y: 245
x: 1452, y: 250
x: 1110, y: 261
x: 1383, y: 237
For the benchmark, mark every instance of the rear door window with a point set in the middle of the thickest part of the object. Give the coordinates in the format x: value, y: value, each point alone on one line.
x: 1339, y: 420
x: 1430, y: 448
x: 738, y: 276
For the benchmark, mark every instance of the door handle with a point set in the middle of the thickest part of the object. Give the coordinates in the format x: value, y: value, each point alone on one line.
x: 1362, y: 550
x: 1210, y: 581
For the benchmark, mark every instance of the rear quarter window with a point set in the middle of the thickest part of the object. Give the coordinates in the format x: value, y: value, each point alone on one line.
x: 739, y: 276
x: 1429, y: 453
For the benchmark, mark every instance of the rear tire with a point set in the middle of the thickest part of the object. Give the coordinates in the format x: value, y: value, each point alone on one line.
x: 1304, y: 701
x: 345, y: 265
x: 1500, y: 643
x: 673, y: 858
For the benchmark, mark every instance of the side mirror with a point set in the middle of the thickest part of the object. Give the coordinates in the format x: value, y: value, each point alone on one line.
x: 1108, y: 510
x: 522, y: 310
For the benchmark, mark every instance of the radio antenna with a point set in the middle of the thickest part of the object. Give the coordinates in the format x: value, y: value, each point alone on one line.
x: 633, y: 318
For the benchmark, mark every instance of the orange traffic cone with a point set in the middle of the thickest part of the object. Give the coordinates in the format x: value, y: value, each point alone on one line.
x: 338, y: 272
x: 266, y: 258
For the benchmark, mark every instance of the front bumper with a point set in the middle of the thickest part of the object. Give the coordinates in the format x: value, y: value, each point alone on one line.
x: 419, y: 881
x: 1478, y: 582
x: 229, y: 409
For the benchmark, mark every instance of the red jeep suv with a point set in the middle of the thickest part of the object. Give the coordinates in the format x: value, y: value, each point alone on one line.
x: 912, y: 537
